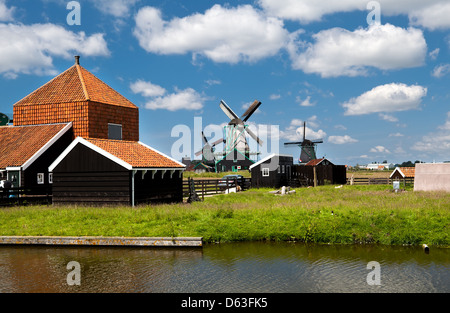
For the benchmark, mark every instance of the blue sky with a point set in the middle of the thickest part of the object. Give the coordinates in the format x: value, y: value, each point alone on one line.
x: 372, y: 92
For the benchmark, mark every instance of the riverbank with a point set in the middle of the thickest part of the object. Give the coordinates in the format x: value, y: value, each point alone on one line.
x: 351, y: 214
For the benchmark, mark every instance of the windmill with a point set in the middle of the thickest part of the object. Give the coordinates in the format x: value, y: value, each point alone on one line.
x: 235, y: 130
x: 207, y: 152
x: 308, y: 147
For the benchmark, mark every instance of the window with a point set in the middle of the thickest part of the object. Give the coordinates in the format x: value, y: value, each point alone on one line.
x: 278, y: 169
x: 115, y: 131
x: 40, y: 178
x: 50, y: 178
x: 265, y: 172
x: 282, y: 169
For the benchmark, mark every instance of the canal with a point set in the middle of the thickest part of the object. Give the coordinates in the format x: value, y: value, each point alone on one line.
x: 251, y: 267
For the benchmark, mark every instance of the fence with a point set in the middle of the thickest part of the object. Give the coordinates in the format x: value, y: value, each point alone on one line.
x: 376, y: 181
x: 24, y: 196
x: 207, y: 187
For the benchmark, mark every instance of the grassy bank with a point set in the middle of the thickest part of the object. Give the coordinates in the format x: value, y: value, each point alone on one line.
x: 351, y: 214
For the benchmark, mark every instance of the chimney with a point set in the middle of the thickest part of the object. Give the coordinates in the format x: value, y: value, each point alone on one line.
x: 77, y: 60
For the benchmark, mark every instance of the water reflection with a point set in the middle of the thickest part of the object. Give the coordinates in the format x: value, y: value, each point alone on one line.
x: 237, y: 267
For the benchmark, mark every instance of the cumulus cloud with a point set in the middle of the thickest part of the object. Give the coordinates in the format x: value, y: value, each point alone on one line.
x: 339, y: 52
x: 388, y: 117
x: 294, y: 132
x: 432, y: 14
x: 222, y: 34
x: 340, y: 140
x: 30, y: 49
x: 379, y: 149
x: 386, y: 98
x: 159, y: 98
x: 6, y: 14
x: 306, y: 102
x: 436, y: 143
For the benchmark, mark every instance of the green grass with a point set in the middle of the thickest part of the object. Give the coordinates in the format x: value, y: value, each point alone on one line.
x: 351, y: 214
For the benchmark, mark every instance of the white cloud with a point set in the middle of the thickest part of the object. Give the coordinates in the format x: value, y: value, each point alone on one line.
x: 30, y: 49
x: 339, y: 52
x: 386, y: 98
x: 340, y: 140
x: 6, y: 14
x: 147, y: 89
x: 436, y: 144
x: 434, y: 54
x: 305, y: 103
x: 388, y: 117
x: 432, y: 14
x: 379, y: 149
x: 116, y: 8
x: 396, y: 135
x: 222, y: 34
x: 294, y: 132
x: 441, y: 70
x: 158, y: 98
x: 274, y: 96
x: 212, y: 82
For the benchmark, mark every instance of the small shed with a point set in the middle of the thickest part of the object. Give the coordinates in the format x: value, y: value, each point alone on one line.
x: 272, y: 171
x: 404, y: 174
x: 103, y: 171
x: 432, y: 177
x: 234, y: 161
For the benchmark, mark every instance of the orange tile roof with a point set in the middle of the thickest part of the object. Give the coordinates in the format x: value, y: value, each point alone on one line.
x: 19, y: 143
x: 314, y: 162
x: 408, y: 171
x: 76, y: 84
x: 135, y: 153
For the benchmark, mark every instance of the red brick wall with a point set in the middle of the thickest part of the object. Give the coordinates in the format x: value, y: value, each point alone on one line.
x: 90, y: 119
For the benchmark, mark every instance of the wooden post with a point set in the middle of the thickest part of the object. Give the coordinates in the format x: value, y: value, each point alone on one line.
x: 315, y: 176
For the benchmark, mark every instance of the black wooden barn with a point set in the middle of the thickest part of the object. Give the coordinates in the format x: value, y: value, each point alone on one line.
x: 273, y: 171
x: 322, y: 171
x: 101, y: 172
x: 234, y: 161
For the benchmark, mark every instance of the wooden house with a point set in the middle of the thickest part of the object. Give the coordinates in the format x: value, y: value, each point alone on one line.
x: 86, y: 135
x: 272, y: 171
x: 27, y: 151
x: 234, y: 161
x: 100, y: 171
x: 319, y: 172
x: 403, y: 174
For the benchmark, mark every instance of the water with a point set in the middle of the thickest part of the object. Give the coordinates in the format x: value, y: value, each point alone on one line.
x: 225, y: 268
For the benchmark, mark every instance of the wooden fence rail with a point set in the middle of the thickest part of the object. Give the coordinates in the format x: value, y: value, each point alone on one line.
x: 206, y: 187
x: 376, y: 181
x: 23, y: 196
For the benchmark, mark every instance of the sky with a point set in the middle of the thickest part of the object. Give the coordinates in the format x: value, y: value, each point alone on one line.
x: 370, y: 78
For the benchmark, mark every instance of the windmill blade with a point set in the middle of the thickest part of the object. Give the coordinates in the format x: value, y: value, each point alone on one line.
x: 199, y: 153
x: 293, y: 143
x: 317, y: 141
x: 259, y: 141
x: 204, y: 138
x: 255, y: 105
x: 228, y: 111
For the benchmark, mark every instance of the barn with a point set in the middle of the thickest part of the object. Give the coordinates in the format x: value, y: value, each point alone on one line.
x: 272, y: 171
x: 234, y: 161
x: 102, y: 172
x: 432, y: 177
x: 319, y: 172
x: 80, y: 136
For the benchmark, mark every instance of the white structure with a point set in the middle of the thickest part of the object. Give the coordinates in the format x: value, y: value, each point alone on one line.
x: 379, y: 166
x: 432, y: 177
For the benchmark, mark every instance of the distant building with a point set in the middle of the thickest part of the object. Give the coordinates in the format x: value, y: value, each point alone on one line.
x: 378, y: 166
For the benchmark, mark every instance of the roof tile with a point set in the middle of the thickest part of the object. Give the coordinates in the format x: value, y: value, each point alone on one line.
x: 135, y: 153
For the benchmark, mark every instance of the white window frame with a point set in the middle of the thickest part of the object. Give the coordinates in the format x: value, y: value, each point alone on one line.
x: 40, y: 178
x: 50, y: 178
x: 265, y: 172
